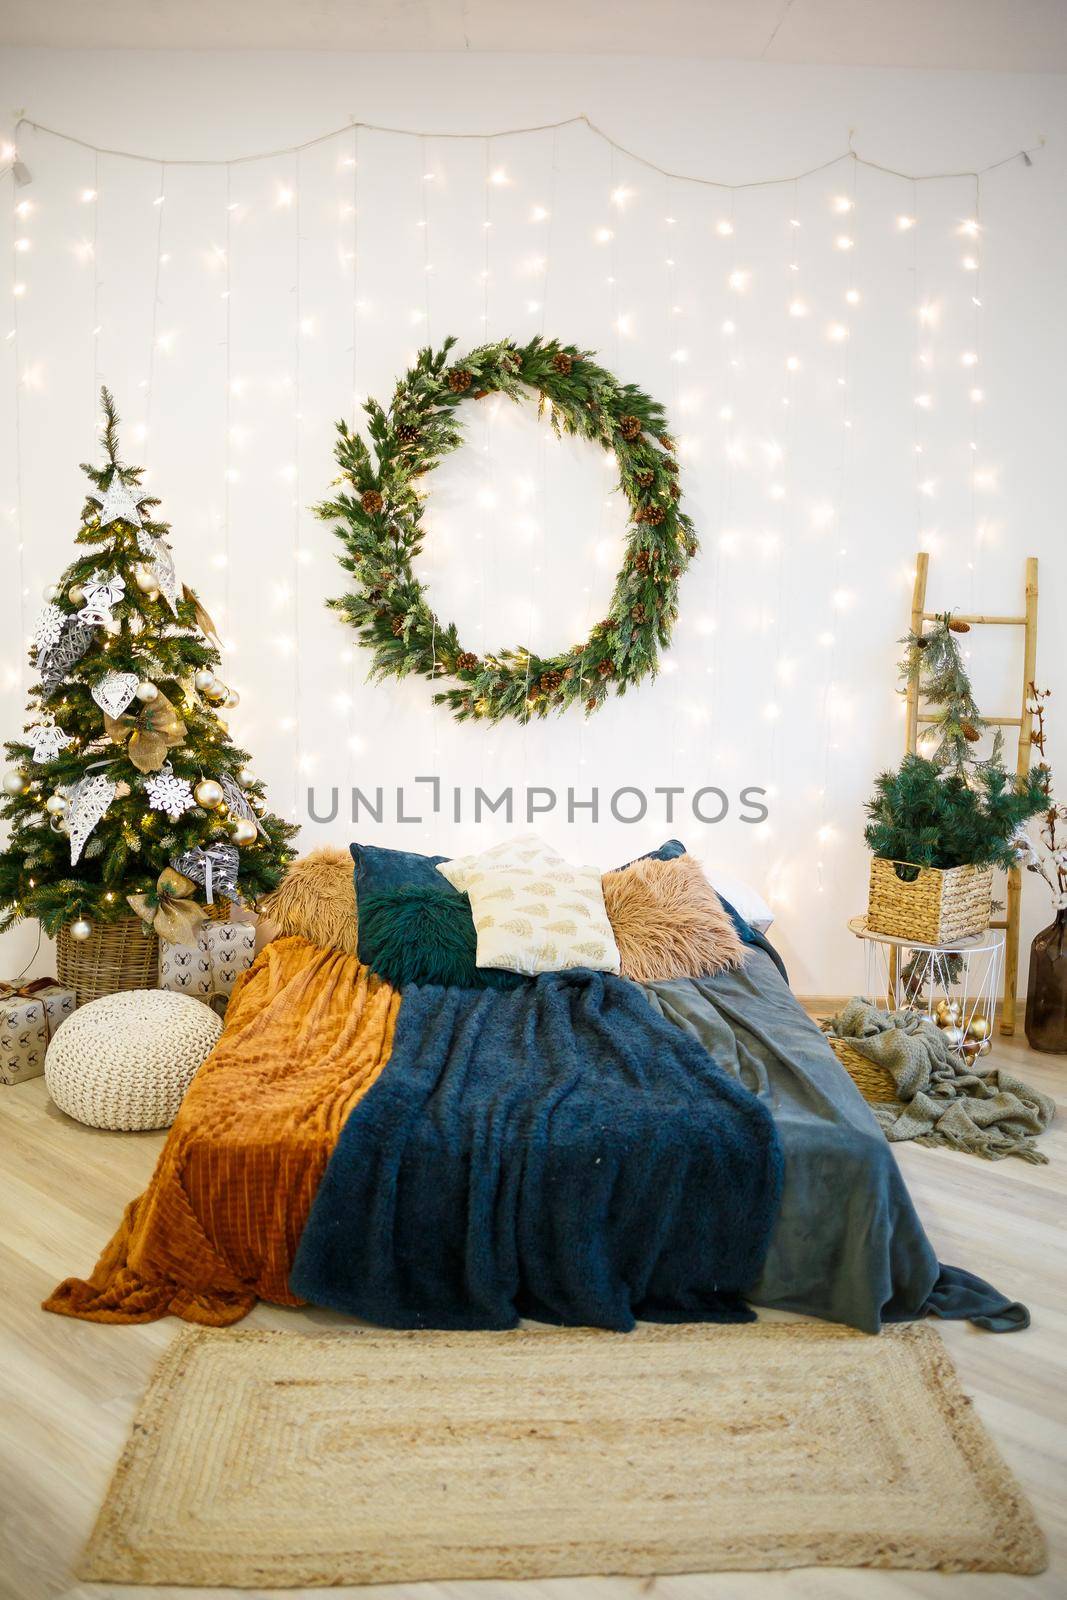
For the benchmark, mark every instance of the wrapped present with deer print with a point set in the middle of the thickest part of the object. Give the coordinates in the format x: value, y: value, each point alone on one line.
x: 30, y: 1013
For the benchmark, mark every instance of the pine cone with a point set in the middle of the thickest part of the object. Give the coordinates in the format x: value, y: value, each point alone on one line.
x: 407, y: 433
x: 676, y: 572
x: 371, y: 501
x: 674, y: 490
x: 642, y: 561
x: 959, y: 627
x: 638, y: 612
x: 602, y: 627
x: 591, y: 703
x: 646, y: 477
x: 691, y: 549
x: 467, y: 662
x: 606, y: 667
x: 970, y: 732
x: 563, y: 363
x: 397, y: 626
x: 550, y: 681
x: 630, y: 426
x: 654, y: 515
x: 920, y: 644
x: 459, y: 380
x: 668, y: 443
x: 568, y: 675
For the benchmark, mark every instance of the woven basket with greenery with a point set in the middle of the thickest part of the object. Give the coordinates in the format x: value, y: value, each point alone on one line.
x: 931, y: 905
x: 874, y: 1083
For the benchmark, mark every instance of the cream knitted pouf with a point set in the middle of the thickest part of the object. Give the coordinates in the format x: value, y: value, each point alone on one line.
x: 126, y: 1060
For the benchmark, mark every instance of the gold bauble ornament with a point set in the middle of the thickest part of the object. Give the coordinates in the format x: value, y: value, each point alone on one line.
x: 233, y: 699
x: 57, y: 805
x: 979, y: 1028
x: 15, y: 782
x: 76, y: 594
x: 208, y: 793
x: 953, y: 1037
x: 147, y: 691
x: 145, y: 579
x: 203, y: 679
x: 222, y: 811
x: 217, y: 693
x: 81, y: 929
x: 243, y: 830
x: 246, y: 777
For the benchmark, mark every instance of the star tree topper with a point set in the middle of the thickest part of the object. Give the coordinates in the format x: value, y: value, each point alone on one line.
x: 119, y: 504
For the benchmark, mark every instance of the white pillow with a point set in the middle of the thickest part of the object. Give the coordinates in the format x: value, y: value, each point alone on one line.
x: 746, y: 901
x: 533, y: 911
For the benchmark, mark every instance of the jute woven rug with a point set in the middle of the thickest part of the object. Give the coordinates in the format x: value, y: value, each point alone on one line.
x: 271, y: 1459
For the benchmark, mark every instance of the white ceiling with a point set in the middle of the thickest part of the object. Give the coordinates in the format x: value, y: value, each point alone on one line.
x: 1005, y: 35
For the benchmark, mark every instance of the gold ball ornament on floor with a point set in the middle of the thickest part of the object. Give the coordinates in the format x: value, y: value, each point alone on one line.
x: 979, y: 1028
x: 243, y: 830
x: 147, y: 691
x: 208, y: 793
x: 15, y: 782
x: 81, y: 929
x: 953, y: 1037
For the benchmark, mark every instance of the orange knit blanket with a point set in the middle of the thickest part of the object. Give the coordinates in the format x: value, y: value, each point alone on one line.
x: 307, y: 1033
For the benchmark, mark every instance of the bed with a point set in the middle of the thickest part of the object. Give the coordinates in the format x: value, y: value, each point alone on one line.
x: 305, y: 1069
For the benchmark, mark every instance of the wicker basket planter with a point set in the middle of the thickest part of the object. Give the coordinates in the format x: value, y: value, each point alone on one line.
x: 930, y: 905
x: 874, y: 1083
x: 116, y: 956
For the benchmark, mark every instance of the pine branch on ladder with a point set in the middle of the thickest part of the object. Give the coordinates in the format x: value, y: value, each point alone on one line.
x: 914, y: 718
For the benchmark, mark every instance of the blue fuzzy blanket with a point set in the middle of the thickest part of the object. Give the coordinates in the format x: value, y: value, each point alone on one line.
x: 557, y: 1151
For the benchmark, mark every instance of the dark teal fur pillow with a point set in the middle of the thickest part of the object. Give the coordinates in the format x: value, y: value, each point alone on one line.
x: 417, y: 933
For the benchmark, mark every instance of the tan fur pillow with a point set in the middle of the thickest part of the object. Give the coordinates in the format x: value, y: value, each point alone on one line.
x: 669, y: 922
x: 317, y: 899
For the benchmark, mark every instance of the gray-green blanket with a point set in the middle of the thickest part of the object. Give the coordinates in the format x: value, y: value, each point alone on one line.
x: 847, y: 1244
x: 940, y: 1100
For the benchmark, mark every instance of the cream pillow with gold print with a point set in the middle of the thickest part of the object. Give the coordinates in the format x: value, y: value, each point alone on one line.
x: 533, y: 911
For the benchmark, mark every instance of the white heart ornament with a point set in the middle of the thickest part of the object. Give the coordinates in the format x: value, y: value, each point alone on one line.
x: 115, y: 692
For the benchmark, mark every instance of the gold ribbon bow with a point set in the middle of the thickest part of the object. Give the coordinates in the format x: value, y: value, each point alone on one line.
x: 26, y: 991
x: 156, y: 728
x: 168, y: 910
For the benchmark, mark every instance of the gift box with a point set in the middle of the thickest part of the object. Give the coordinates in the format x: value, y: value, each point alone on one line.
x: 208, y: 969
x: 30, y: 1013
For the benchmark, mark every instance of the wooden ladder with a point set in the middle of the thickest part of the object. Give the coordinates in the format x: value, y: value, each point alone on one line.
x: 1023, y: 721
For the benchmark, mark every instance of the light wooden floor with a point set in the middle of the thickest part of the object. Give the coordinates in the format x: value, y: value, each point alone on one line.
x: 68, y: 1389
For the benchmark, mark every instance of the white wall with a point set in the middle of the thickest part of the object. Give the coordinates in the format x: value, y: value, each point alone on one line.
x: 757, y: 608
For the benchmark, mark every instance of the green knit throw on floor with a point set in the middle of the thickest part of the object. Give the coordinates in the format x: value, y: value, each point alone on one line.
x: 940, y: 1100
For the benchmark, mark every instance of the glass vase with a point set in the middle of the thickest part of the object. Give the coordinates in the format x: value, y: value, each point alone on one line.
x: 1046, y: 991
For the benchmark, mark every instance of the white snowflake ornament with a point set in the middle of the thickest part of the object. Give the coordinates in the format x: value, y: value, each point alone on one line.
x: 47, y: 627
x: 169, y: 793
x: 46, y: 742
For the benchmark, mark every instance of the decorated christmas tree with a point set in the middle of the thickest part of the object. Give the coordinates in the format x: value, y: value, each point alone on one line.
x: 126, y: 790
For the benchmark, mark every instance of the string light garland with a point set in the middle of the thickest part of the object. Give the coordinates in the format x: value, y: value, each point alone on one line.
x: 378, y: 513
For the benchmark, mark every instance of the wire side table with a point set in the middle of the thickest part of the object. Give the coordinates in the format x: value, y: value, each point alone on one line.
x: 902, y: 975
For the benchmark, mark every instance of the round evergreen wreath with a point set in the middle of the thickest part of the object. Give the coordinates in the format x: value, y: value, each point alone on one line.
x: 377, y: 512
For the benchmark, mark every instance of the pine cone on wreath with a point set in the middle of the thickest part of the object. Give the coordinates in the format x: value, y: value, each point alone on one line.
x: 459, y: 379
x: 467, y: 661
x: 407, y: 433
x: 970, y: 732
x: 371, y: 501
x: 630, y: 426
x: 397, y: 627
x: 676, y: 572
x: 646, y: 477
x: 639, y: 612
x: 602, y: 627
x: 668, y: 443
x: 550, y: 681
x: 605, y: 667
x: 563, y: 363
x: 674, y: 489
x: 591, y: 703
x: 642, y: 561
x: 654, y: 515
